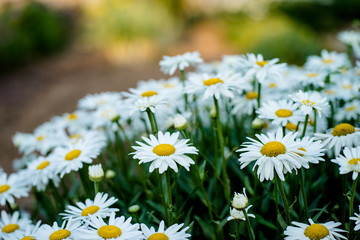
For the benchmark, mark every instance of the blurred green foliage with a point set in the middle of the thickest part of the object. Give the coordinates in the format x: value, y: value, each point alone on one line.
x: 273, y: 36
x: 30, y: 32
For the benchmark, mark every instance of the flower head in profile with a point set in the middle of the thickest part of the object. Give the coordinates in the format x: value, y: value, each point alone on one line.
x: 310, y: 101
x: 314, y: 231
x: 273, y: 154
x: 12, y: 187
x: 357, y: 220
x: 236, y: 214
x: 240, y: 201
x: 174, y: 232
x: 349, y: 162
x: 327, y: 61
x: 165, y: 151
x: 342, y: 135
x: 170, y: 64
x: 68, y: 230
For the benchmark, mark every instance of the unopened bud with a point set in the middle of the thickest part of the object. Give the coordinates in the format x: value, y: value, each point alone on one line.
x: 110, y: 174
x: 180, y: 123
x: 96, y: 173
x: 134, y: 208
x: 257, y: 123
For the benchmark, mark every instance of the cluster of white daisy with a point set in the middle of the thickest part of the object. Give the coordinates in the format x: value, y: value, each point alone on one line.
x: 179, y: 136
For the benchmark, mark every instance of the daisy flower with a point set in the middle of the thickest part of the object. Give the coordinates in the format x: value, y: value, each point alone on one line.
x: 240, y: 201
x: 349, y: 162
x: 272, y: 152
x: 280, y: 112
x: 357, y: 221
x: 12, y: 224
x: 73, y: 156
x: 94, y: 101
x: 245, y: 104
x: 170, y: 64
x: 342, y: 135
x: 311, y: 100
x: 12, y: 187
x: 40, y: 171
x: 68, y: 230
x: 165, y: 151
x: 328, y: 61
x: 171, y: 233
x: 256, y: 66
x: 99, y: 207
x: 312, y: 150
x: 349, y: 37
x: 316, y: 78
x: 351, y: 110
x: 117, y: 229
x: 219, y: 85
x: 318, y: 231
x: 28, y: 234
x: 236, y: 214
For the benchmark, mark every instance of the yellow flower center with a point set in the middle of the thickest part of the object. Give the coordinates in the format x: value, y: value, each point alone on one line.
x: 10, y: 228
x: 272, y: 85
x: 307, y: 102
x: 273, y: 149
x: 109, y: 231
x: 40, y: 137
x: 164, y: 149
x: 291, y: 126
x: 261, y: 63
x: 343, y: 129
x: 316, y: 231
x: 72, y: 116
x: 349, y: 109
x: 149, y: 93
x: 329, y: 60
x: 60, y: 234
x: 251, y: 95
x: 283, y: 113
x: 158, y: 236
x: 330, y: 92
x: 354, y: 161
x: 72, y: 154
x: 347, y: 86
x: 168, y: 85
x: 212, y: 81
x: 28, y: 238
x: 89, y: 210
x: 312, y: 74
x: 43, y: 165
x: 4, y: 188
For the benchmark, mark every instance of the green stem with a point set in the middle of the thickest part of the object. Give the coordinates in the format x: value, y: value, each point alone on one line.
x: 284, y: 130
x: 182, y: 76
x: 96, y: 187
x: 305, y: 125
x: 302, y: 187
x: 124, y: 133
x: 351, y: 209
x: 259, y: 95
x: 169, y: 197
x: 315, y: 115
x: 221, y: 143
x: 56, y: 196
x: 152, y: 120
x: 250, y: 231
x: 11, y: 210
x: 237, y: 230
x: 162, y: 196
x: 284, y: 199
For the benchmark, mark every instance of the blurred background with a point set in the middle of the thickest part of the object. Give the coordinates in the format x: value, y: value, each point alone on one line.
x: 54, y: 52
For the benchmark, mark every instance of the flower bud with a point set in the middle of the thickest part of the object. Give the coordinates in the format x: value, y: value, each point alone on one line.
x: 180, y: 123
x: 213, y: 112
x: 257, y: 123
x: 110, y: 174
x: 96, y: 173
x: 134, y: 208
x: 240, y: 201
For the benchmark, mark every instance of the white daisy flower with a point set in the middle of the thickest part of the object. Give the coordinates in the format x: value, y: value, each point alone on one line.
x: 171, y: 233
x: 67, y: 231
x: 11, y: 225
x: 240, y: 201
x: 117, y: 229
x: 165, y: 151
x: 311, y: 100
x: 221, y: 85
x: 342, y: 135
x: 152, y: 103
x: 328, y: 61
x: 94, y: 101
x: 349, y: 37
x: 280, y: 112
x: 99, y: 207
x: 256, y: 66
x: 351, y: 110
x: 357, y: 221
x: 12, y: 187
x: 316, y: 78
x: 272, y: 152
x: 236, y: 214
x: 318, y: 231
x: 312, y: 150
x: 73, y: 156
x: 73, y: 122
x: 244, y: 104
x: 40, y: 171
x: 170, y: 64
x: 28, y: 234
x: 349, y: 162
